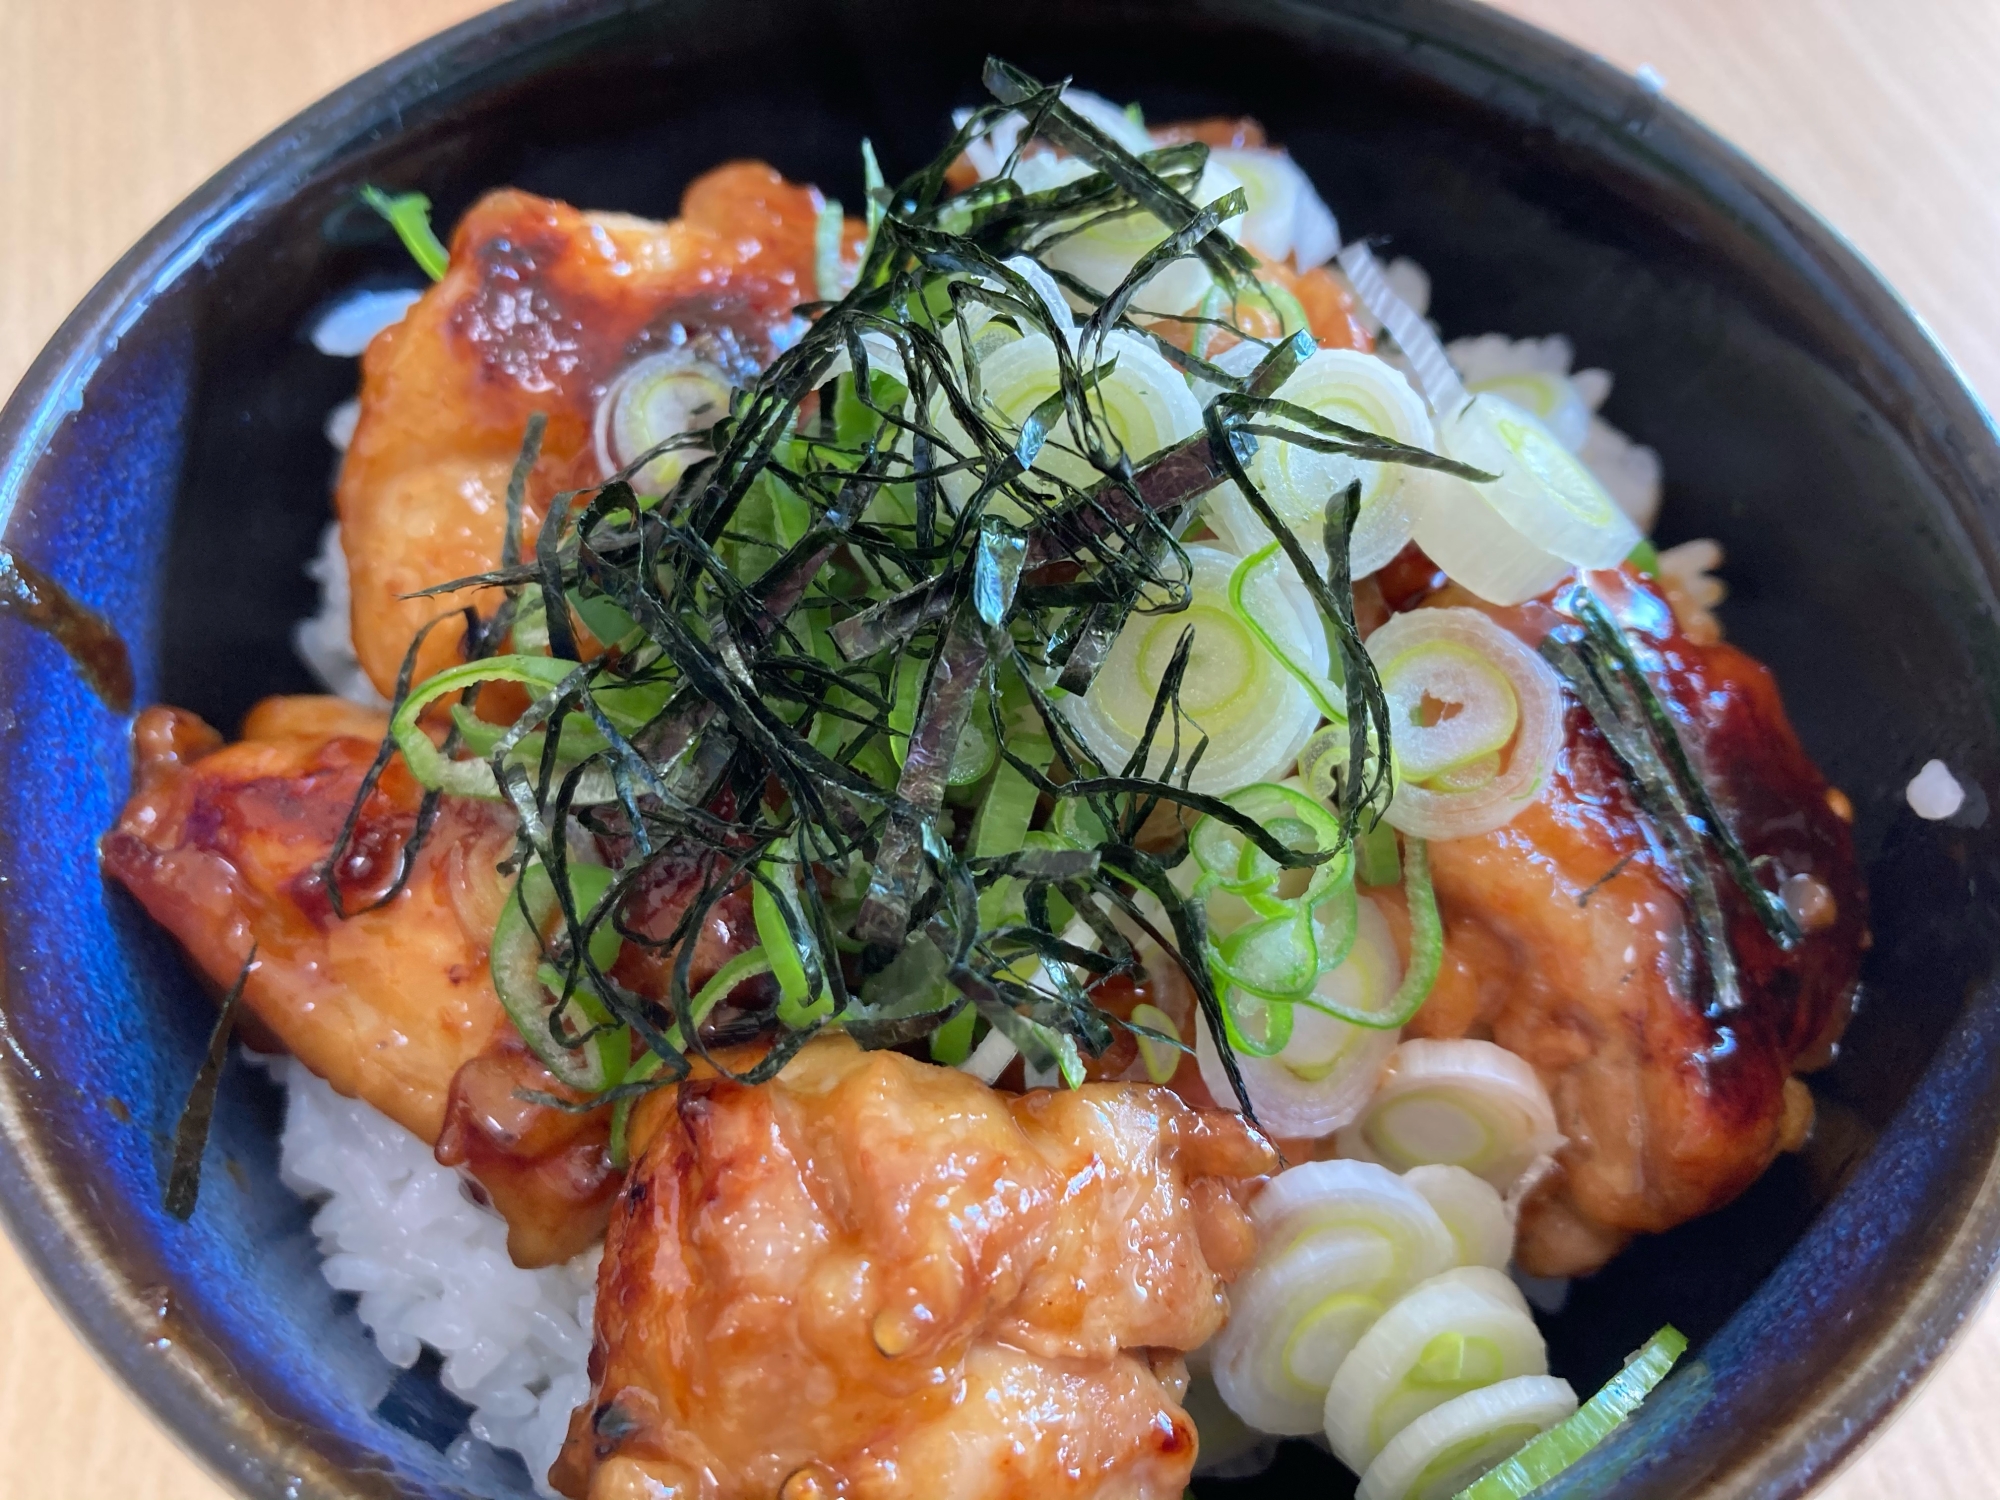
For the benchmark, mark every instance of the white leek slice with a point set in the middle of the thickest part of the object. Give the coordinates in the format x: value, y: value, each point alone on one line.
x: 1161, y: 1060
x: 1142, y: 401
x: 1342, y: 1197
x: 1287, y: 218
x: 978, y: 313
x: 1101, y: 251
x: 1544, y: 492
x: 1629, y: 471
x: 1357, y: 390
x: 1256, y: 716
x: 1326, y: 1072
x: 1339, y: 1242
x: 1121, y: 124
x: 1551, y: 399
x: 664, y: 395
x: 1461, y: 689
x: 1461, y: 1103
x: 1474, y: 544
x: 1292, y: 1321
x: 1450, y: 1446
x: 1471, y: 1209
x: 884, y: 358
x: 1457, y: 1332
x: 1534, y: 374
x: 988, y: 153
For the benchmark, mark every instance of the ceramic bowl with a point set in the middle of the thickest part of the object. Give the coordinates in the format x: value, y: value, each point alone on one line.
x: 164, y: 460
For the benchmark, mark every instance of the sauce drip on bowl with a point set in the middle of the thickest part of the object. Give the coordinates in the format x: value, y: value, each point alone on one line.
x: 31, y: 596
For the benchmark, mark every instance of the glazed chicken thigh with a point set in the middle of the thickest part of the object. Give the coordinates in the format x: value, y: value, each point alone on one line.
x: 393, y: 1003
x: 881, y: 1278
x: 1569, y: 943
x: 541, y: 309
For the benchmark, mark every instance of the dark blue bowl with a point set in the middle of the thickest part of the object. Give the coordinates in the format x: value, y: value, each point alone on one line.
x: 164, y: 460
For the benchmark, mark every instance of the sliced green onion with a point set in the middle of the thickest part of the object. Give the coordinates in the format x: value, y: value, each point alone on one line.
x: 1257, y: 1027
x: 1474, y: 545
x: 1324, y: 761
x: 1256, y: 716
x: 1339, y: 1241
x: 1330, y: 1197
x: 1076, y: 825
x: 979, y: 314
x: 524, y: 981
x: 1426, y: 931
x: 1555, y: 1450
x: 951, y: 1043
x: 1287, y: 218
x: 1315, y: 684
x: 1136, y: 397
x: 1101, y: 252
x: 1508, y: 540
x: 1547, y: 395
x: 409, y: 214
x: 1292, y: 1321
x: 1336, y: 923
x: 1160, y: 1059
x: 1358, y: 390
x: 1463, y: 1103
x: 875, y: 189
x: 1001, y: 826
x: 1214, y: 303
x: 474, y: 778
x: 1324, y: 1071
x: 1275, y: 959
x: 1457, y: 1332
x: 1460, y: 689
x: 1450, y: 706
x: 1231, y: 861
x: 665, y: 396
x: 719, y: 986
x: 1472, y: 1210
x: 1377, y: 861
x: 798, y: 1006
x: 829, y: 275
x: 1437, y: 1453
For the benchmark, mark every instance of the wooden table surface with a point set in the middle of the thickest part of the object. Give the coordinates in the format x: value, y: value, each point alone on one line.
x: 1882, y: 116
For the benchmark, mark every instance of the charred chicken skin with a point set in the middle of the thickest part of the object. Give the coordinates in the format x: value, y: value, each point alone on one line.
x: 876, y: 1277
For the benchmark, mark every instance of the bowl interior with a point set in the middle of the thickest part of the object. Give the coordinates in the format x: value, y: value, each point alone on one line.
x: 1802, y: 418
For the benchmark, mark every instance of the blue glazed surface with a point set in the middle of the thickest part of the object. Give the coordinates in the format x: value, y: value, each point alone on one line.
x: 164, y: 463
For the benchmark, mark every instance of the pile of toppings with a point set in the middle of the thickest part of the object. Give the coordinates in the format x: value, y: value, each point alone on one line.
x: 999, y: 639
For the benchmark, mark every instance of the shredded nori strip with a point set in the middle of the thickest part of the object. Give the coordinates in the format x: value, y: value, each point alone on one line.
x: 183, y: 1186
x: 1682, y: 825
x: 836, y: 597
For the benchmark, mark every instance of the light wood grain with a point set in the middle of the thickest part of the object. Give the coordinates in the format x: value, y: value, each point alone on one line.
x: 1881, y: 116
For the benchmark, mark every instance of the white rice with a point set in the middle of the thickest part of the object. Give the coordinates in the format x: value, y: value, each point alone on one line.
x: 400, y: 1232
x: 1934, y: 793
x: 325, y: 641
x: 430, y: 1267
